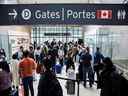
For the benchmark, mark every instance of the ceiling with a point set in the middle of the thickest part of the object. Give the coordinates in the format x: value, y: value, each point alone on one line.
x: 70, y: 1
x: 111, y: 1
x: 59, y: 1
x: 55, y: 1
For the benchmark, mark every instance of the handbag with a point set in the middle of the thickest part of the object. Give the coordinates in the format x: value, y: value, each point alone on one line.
x: 38, y: 69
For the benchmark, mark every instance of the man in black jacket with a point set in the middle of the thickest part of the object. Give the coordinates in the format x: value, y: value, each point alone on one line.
x: 110, y: 81
x: 48, y: 84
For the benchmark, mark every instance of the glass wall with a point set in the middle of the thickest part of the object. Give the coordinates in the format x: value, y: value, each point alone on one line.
x: 4, y: 37
x: 11, y: 40
x: 64, y: 33
x: 112, y: 41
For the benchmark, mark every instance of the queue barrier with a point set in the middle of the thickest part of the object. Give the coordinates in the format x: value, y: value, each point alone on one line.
x: 77, y: 80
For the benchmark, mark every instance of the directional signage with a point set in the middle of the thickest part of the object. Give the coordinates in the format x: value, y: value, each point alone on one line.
x: 14, y: 13
x: 82, y: 14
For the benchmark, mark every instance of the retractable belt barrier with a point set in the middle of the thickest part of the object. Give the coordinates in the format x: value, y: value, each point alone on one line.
x: 77, y: 80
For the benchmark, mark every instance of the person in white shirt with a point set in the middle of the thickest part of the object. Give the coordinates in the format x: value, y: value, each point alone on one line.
x: 15, y: 70
x: 61, y: 55
x: 20, y: 53
x: 37, y: 53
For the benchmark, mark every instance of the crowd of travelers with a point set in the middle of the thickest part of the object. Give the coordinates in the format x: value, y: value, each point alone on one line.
x: 44, y: 59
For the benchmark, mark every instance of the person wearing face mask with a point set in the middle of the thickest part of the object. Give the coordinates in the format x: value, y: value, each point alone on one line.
x: 48, y: 83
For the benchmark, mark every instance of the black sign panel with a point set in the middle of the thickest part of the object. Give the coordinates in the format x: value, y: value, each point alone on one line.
x: 57, y: 34
x: 82, y: 14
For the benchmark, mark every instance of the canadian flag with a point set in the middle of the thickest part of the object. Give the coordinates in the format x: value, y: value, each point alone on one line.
x: 104, y: 14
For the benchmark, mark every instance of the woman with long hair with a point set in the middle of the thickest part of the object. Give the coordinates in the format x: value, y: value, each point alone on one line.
x: 48, y: 83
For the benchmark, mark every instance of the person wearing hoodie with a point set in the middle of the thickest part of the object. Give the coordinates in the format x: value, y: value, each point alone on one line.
x: 48, y: 83
x: 110, y: 81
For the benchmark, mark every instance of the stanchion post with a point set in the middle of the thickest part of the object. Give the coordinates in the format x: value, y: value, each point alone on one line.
x: 78, y: 84
x: 78, y: 88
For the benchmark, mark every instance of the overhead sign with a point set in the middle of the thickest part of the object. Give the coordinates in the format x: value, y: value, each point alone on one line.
x: 82, y: 14
x: 57, y: 34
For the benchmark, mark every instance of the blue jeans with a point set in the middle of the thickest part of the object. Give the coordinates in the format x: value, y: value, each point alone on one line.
x: 28, y: 84
x: 88, y: 70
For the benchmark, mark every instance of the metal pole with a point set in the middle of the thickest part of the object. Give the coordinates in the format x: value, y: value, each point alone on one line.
x: 66, y: 33
x: 78, y: 88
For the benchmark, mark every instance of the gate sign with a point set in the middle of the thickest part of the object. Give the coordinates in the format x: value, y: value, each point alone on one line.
x: 82, y: 14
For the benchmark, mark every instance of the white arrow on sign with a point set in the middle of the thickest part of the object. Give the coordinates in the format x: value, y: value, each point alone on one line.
x: 14, y: 13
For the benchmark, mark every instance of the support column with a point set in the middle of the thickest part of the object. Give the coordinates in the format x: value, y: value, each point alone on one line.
x: 83, y: 33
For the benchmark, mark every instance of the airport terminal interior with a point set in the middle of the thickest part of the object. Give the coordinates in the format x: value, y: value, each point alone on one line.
x: 111, y: 40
